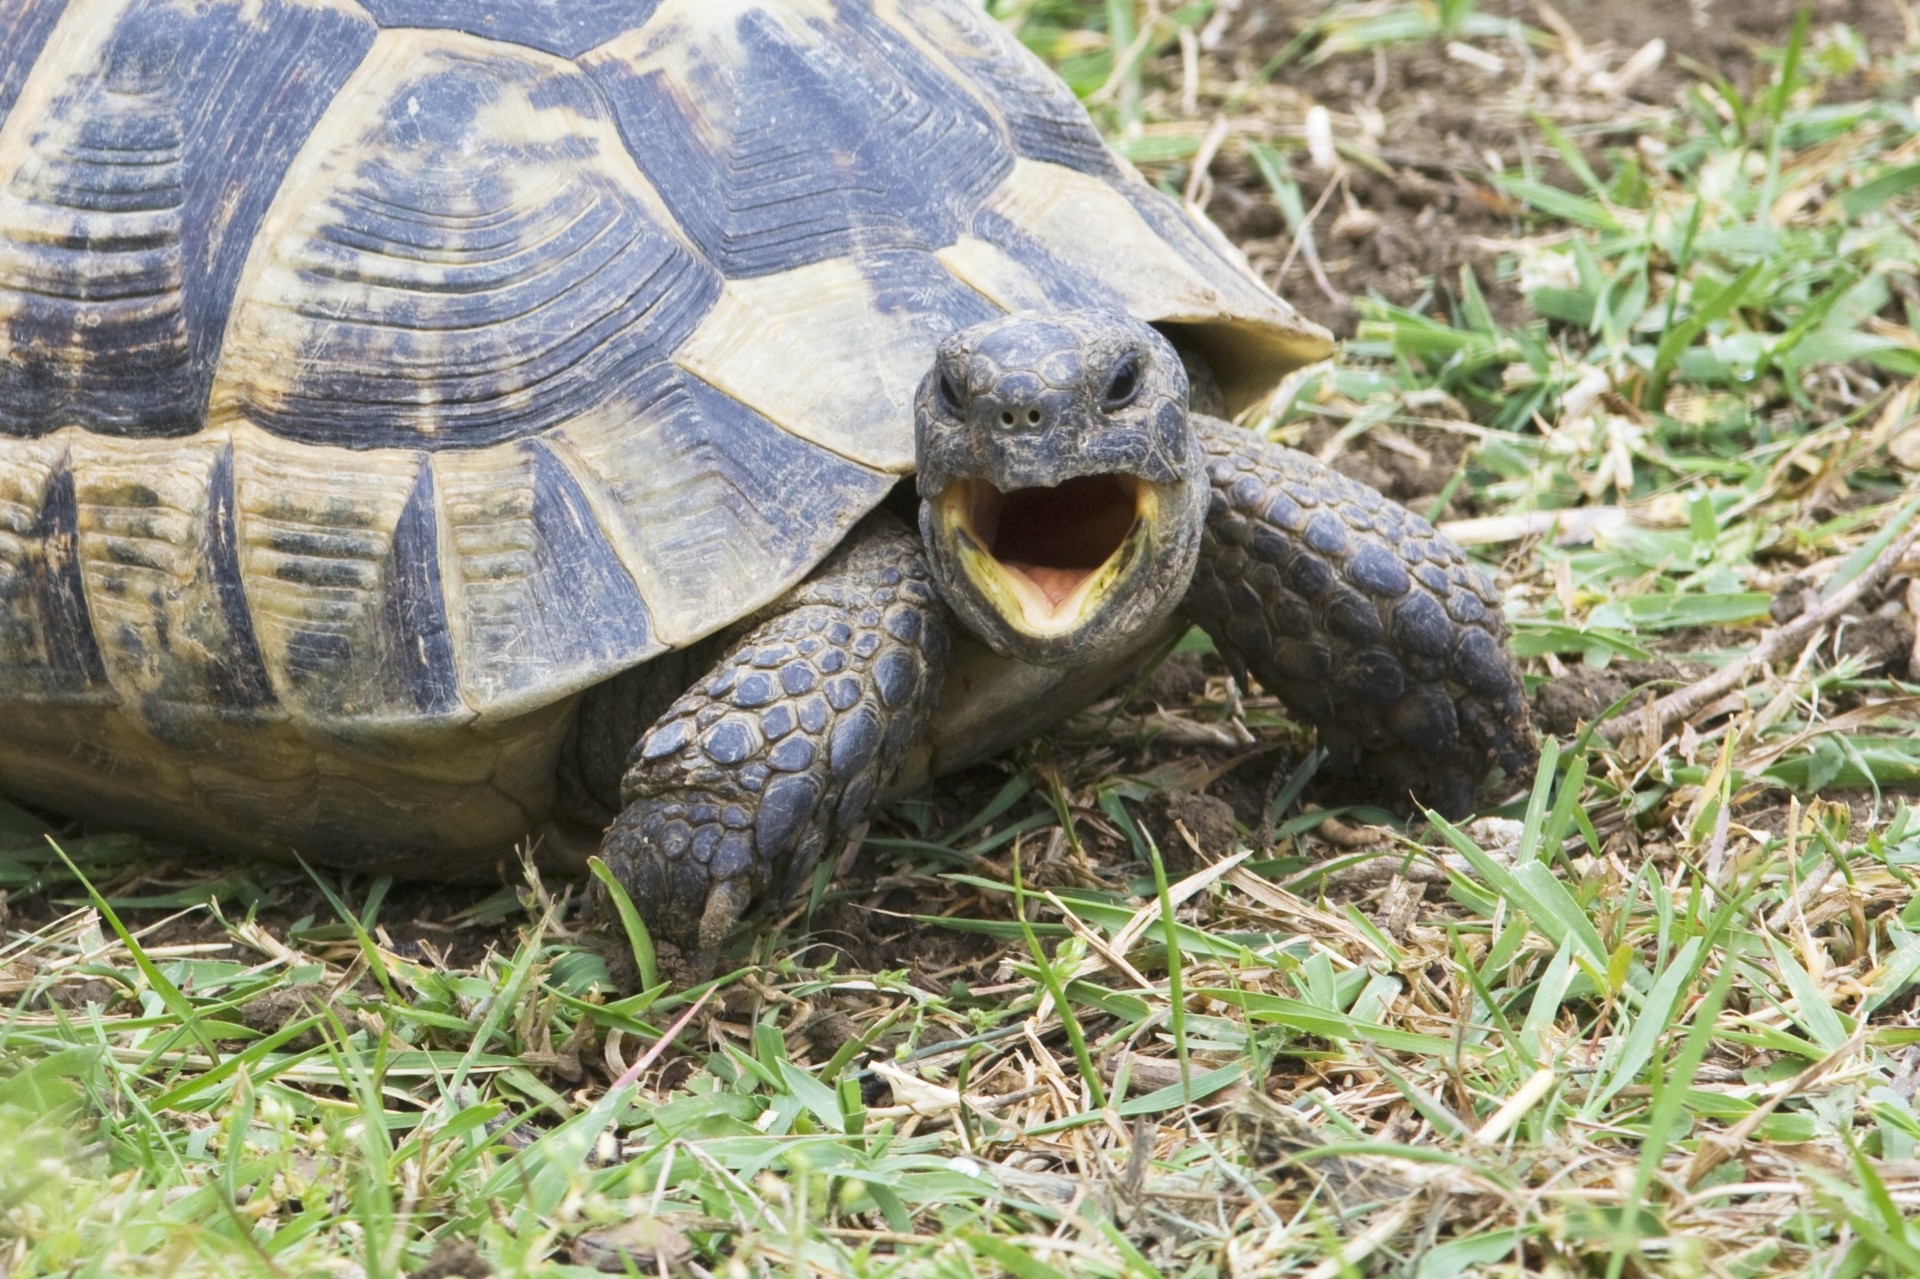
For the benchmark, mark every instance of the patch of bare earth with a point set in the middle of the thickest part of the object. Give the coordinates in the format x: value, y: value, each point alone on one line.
x: 1424, y: 125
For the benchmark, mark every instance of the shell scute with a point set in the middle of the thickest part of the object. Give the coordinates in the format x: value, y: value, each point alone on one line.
x: 545, y: 598
x: 565, y: 27
x: 24, y: 29
x: 135, y: 165
x: 46, y: 625
x: 413, y: 608
x: 612, y: 621
x: 785, y: 135
x: 722, y: 506
x: 1043, y: 118
x: 340, y: 615
x: 1073, y: 233
x: 834, y: 351
x: 160, y: 569
x: 467, y: 256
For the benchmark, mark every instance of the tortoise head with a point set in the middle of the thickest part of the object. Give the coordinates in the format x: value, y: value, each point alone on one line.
x: 1062, y: 490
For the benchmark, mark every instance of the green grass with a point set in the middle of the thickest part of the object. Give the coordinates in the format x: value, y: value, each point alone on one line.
x: 1658, y: 1018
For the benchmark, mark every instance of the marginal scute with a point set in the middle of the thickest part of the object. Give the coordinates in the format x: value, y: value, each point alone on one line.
x: 161, y: 573
x: 781, y: 136
x: 134, y: 170
x: 46, y: 629
x: 835, y: 351
x: 465, y: 256
x: 565, y: 27
x: 545, y: 598
x: 238, y: 676
x: 317, y: 559
x: 413, y: 614
x: 1096, y: 230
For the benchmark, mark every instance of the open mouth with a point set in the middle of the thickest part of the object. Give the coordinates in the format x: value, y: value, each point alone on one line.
x: 1045, y: 556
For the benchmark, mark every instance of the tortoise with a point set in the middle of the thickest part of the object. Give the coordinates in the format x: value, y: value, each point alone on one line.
x: 659, y: 426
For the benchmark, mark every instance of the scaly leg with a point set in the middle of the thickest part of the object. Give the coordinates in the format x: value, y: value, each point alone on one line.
x: 1362, y: 619
x: 777, y: 752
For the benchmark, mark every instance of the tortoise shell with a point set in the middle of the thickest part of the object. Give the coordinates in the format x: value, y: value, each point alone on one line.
x: 399, y: 368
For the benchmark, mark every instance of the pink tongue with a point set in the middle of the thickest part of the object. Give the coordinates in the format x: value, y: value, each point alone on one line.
x: 1055, y: 583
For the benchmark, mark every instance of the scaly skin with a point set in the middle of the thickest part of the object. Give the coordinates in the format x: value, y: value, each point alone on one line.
x: 1362, y: 619
x: 777, y: 752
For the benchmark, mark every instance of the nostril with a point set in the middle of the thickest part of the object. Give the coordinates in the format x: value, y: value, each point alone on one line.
x: 1006, y: 419
x: 1033, y: 417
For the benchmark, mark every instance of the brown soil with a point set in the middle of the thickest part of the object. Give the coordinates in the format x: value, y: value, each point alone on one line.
x: 1883, y: 642
x: 1721, y: 34
x: 1171, y: 816
x: 281, y: 1006
x: 1562, y: 706
x: 455, y: 1259
x: 1422, y: 208
x: 1879, y: 634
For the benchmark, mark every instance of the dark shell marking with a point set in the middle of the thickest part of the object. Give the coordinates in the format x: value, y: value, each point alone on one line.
x: 892, y: 153
x: 565, y: 27
x: 1044, y: 119
x: 23, y: 30
x: 413, y: 615
x: 448, y: 285
x: 54, y: 583
x: 146, y: 164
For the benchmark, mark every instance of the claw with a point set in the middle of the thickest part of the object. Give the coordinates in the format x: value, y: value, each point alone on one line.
x: 725, y: 904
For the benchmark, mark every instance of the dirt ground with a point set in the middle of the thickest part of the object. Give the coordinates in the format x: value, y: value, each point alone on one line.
x: 1439, y: 122
x: 1433, y: 124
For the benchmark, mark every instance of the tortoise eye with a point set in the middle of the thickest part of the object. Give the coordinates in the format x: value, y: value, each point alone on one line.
x: 1124, y: 385
x: 949, y: 396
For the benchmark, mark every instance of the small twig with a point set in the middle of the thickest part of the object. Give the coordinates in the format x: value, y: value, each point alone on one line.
x: 1358, y: 1247
x: 1303, y: 246
x: 632, y: 1073
x: 1574, y: 526
x: 1658, y: 717
x: 1199, y: 190
x: 1431, y: 165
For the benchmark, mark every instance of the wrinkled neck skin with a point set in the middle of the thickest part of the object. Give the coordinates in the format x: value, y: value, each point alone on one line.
x: 1062, y: 490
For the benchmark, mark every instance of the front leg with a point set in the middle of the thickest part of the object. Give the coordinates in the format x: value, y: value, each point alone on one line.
x: 1362, y: 619
x: 777, y: 752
